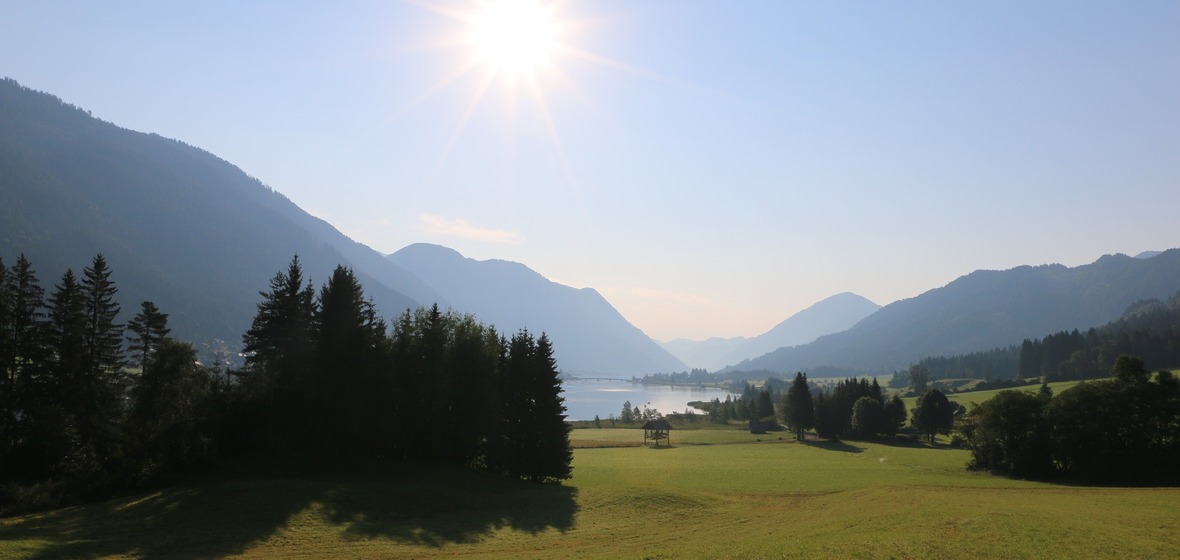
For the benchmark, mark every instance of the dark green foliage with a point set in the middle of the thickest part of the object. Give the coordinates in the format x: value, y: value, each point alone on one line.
x: 764, y: 406
x: 1126, y: 428
x: 919, y: 377
x: 798, y: 409
x: 349, y: 355
x: 833, y: 417
x: 934, y: 414
x: 1121, y: 429
x: 325, y: 387
x: 895, y: 416
x: 170, y: 424
x: 95, y: 397
x: 868, y: 418
x: 827, y: 417
x: 23, y: 353
x: 149, y: 328
x: 279, y: 349
x: 1009, y: 434
x: 531, y: 438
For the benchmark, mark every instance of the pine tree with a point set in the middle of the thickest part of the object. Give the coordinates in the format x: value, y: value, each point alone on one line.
x: 55, y: 428
x: 96, y: 397
x: 553, y: 455
x: 25, y: 346
x: 279, y: 349
x: 349, y: 338
x: 22, y: 357
x: 474, y: 357
x: 150, y: 328
x: 515, y: 428
x: 798, y: 409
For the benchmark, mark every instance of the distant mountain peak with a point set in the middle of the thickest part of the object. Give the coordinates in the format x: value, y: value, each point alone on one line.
x: 830, y: 315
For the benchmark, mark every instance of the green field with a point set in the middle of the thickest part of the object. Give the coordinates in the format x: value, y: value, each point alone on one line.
x: 978, y: 397
x: 712, y: 494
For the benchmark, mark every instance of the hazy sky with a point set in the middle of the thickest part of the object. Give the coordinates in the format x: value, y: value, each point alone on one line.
x: 710, y: 167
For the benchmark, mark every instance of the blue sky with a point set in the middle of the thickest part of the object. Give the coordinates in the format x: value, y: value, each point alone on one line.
x: 709, y: 167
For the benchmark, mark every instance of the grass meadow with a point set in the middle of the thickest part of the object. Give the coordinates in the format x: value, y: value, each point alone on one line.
x: 711, y: 494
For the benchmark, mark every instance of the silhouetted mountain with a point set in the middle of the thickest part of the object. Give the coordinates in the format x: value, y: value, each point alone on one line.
x: 589, y: 336
x: 984, y: 310
x: 831, y: 315
x: 178, y: 226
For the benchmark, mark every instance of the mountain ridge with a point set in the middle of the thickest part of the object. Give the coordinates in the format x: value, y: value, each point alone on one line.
x: 832, y: 314
x: 512, y: 296
x: 983, y: 310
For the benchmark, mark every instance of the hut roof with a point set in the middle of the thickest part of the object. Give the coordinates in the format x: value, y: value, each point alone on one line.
x: 657, y: 424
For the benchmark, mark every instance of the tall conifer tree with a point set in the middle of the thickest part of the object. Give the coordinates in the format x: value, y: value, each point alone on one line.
x: 279, y: 347
x: 97, y: 395
x: 149, y: 328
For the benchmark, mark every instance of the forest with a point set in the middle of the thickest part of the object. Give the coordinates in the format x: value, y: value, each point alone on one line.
x: 90, y: 407
x: 1148, y: 329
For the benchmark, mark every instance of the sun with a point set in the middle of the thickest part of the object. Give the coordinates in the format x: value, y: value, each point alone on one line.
x: 514, y: 36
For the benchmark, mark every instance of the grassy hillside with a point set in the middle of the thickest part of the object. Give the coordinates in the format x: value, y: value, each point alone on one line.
x: 978, y: 397
x: 700, y: 498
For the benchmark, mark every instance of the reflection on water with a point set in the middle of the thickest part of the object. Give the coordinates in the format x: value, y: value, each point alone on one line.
x: 585, y: 398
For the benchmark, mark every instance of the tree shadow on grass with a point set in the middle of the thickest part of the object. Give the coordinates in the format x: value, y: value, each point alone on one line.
x: 916, y: 444
x: 227, y: 516
x: 197, y: 520
x: 834, y: 445
x: 449, y: 506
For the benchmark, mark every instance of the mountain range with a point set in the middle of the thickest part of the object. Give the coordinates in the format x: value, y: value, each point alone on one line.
x: 831, y: 315
x: 201, y: 238
x: 984, y: 310
x: 512, y: 296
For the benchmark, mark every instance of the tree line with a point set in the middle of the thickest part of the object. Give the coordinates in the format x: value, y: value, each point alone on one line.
x: 89, y: 406
x: 1122, y: 429
x: 1149, y: 329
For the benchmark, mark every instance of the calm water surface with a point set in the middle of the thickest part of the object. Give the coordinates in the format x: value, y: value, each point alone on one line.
x: 586, y: 398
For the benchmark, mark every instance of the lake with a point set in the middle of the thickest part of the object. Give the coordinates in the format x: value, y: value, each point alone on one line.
x: 585, y: 398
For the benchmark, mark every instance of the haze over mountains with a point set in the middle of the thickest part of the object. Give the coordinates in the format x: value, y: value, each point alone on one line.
x: 831, y: 315
x: 984, y: 310
x: 200, y: 238
x: 512, y: 296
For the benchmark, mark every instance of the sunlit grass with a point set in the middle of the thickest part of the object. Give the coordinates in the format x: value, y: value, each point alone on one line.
x: 712, y: 494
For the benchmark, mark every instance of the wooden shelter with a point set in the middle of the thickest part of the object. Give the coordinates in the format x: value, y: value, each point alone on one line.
x: 656, y: 430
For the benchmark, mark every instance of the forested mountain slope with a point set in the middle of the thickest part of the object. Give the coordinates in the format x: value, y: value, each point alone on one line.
x: 984, y: 310
x: 179, y: 226
x: 589, y: 335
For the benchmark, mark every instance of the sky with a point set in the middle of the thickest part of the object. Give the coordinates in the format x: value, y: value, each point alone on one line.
x: 710, y: 168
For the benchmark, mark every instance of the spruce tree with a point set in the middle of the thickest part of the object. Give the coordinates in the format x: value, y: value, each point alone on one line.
x: 150, y: 328
x: 349, y: 339
x: 553, y: 457
x: 798, y: 409
x: 22, y: 356
x: 96, y: 397
x: 25, y: 332
x: 55, y: 427
x: 279, y: 349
